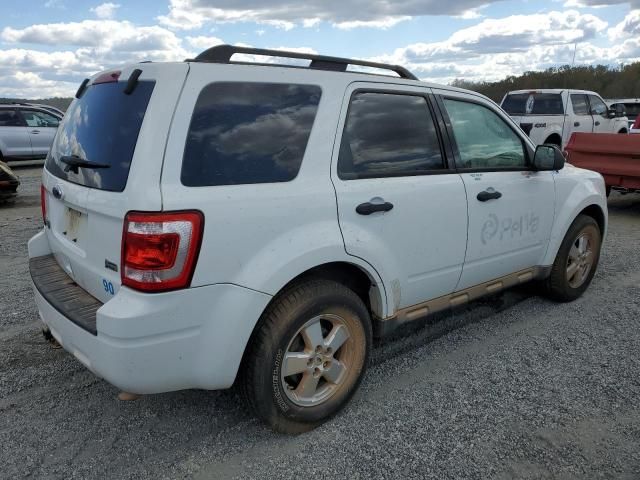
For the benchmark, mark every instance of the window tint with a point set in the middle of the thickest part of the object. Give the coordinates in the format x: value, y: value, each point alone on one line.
x: 243, y: 133
x: 9, y: 118
x: 533, y: 104
x: 580, y: 104
x: 39, y: 119
x: 102, y: 126
x: 484, y: 139
x: 598, y: 107
x: 388, y: 135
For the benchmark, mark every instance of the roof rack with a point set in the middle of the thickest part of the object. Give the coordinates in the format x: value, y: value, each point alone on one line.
x: 223, y: 54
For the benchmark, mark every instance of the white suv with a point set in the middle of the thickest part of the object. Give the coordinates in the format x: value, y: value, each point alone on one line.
x: 210, y: 220
x: 550, y: 116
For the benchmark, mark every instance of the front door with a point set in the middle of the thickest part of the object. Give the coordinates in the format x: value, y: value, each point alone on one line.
x: 600, y: 112
x: 42, y: 129
x: 511, y: 207
x: 401, y: 207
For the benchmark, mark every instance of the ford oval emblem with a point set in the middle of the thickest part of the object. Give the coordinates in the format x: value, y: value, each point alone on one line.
x: 57, y: 192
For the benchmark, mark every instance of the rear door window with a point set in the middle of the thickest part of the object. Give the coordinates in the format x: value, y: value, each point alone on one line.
x: 388, y: 135
x: 101, y: 127
x: 247, y: 133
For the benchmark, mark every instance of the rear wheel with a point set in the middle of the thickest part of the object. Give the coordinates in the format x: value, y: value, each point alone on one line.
x: 308, y: 356
x: 576, y: 261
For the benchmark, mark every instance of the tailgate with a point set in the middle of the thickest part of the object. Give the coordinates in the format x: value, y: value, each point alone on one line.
x: 124, y: 134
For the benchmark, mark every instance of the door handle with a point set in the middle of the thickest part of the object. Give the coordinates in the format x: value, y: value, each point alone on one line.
x: 597, y: 123
x: 485, y: 196
x: 35, y: 131
x: 368, y: 208
x: 576, y: 124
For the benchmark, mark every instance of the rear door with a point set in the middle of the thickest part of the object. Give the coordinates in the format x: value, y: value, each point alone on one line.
x: 510, y: 207
x: 14, y: 137
x: 582, y: 120
x: 125, y: 133
x: 401, y: 206
x: 42, y: 127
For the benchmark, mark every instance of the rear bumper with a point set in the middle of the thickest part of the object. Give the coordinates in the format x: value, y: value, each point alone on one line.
x: 152, y: 343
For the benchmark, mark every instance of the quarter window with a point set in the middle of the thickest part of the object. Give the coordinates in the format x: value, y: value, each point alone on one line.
x: 484, y: 139
x: 580, y: 104
x: 245, y: 133
x: 388, y: 135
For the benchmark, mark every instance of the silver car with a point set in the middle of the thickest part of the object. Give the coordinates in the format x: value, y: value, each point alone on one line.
x: 26, y: 132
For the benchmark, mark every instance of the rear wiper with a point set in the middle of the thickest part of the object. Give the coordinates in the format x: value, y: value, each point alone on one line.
x: 73, y: 162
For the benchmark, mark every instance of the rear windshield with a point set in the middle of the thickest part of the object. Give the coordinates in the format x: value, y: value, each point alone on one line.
x: 247, y: 133
x: 533, y: 104
x: 101, y: 127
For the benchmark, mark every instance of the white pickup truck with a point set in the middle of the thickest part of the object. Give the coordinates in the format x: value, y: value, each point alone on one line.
x: 552, y: 115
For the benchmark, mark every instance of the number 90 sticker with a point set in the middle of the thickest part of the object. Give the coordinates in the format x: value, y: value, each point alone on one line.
x: 108, y: 286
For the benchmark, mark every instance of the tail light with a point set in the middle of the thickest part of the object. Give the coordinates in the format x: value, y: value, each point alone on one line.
x: 637, y: 124
x: 160, y: 250
x: 43, y: 203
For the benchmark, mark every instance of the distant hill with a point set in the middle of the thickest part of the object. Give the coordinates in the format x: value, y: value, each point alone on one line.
x: 610, y: 82
x: 58, y: 102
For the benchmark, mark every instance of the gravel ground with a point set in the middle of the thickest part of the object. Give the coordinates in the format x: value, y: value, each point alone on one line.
x: 514, y: 387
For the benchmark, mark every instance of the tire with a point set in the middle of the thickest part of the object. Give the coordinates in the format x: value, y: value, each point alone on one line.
x: 576, y: 263
x: 287, y: 340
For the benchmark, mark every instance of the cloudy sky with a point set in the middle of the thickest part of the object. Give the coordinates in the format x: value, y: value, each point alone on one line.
x: 48, y: 46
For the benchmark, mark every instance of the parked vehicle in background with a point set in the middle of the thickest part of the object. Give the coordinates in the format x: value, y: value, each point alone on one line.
x: 48, y: 108
x: 26, y: 131
x: 630, y: 106
x: 616, y: 158
x: 550, y: 116
x: 9, y: 182
x: 209, y: 220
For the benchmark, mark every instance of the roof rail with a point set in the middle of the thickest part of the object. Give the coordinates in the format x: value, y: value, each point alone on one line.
x: 223, y: 54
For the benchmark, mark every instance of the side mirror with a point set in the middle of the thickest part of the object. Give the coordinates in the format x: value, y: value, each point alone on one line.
x: 548, y: 158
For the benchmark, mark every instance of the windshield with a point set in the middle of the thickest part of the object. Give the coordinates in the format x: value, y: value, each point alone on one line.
x: 101, y: 127
x: 633, y: 110
x: 533, y: 104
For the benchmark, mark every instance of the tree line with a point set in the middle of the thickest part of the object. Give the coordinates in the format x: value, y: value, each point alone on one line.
x: 609, y: 81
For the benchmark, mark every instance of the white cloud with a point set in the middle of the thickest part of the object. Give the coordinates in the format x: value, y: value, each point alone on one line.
x: 190, y: 14
x: 203, y: 42
x: 105, y: 10
x: 628, y: 27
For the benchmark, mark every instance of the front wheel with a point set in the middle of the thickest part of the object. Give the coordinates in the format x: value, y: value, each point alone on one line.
x: 308, y: 356
x: 576, y: 261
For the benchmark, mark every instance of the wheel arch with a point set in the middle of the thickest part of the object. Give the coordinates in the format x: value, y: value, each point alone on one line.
x: 593, y: 210
x: 554, y: 138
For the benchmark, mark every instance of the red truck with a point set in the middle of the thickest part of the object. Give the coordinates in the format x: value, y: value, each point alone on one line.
x: 616, y: 157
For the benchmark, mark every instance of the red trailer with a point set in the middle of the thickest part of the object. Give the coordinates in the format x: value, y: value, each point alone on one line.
x: 616, y: 157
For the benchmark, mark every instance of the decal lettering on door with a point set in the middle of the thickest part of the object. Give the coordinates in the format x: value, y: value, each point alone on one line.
x: 499, y: 229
